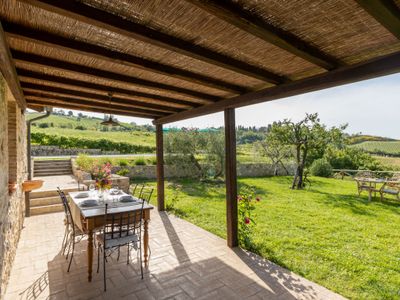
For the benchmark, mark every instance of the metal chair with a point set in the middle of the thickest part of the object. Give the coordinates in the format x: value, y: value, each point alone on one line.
x: 136, y: 189
x: 71, y: 230
x: 124, y: 229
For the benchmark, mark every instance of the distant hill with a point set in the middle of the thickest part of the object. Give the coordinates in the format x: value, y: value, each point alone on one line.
x: 390, y: 148
x: 357, y: 139
x: 81, y: 130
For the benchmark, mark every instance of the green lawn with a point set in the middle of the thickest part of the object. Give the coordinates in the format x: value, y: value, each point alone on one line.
x: 326, y: 234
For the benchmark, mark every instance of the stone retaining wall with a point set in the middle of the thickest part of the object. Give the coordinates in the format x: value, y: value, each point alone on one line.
x: 39, y: 150
x: 149, y: 172
x: 13, y: 168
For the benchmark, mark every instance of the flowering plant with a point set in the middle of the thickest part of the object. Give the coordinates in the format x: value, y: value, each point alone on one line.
x: 246, y: 205
x: 102, y: 176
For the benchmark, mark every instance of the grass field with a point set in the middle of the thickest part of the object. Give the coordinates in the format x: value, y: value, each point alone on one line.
x: 384, y: 147
x: 326, y: 234
x: 390, y: 162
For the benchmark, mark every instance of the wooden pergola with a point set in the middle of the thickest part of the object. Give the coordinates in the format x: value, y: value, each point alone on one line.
x: 170, y: 60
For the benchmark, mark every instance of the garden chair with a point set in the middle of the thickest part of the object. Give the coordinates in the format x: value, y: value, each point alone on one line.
x: 390, y: 188
x: 119, y: 231
x: 136, y: 189
x: 72, y: 232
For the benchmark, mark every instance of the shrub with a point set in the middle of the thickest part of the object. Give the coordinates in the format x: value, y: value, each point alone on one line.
x: 246, y: 205
x: 351, y: 158
x: 85, y: 162
x: 152, y: 161
x: 123, y: 172
x: 43, y: 125
x: 140, y: 161
x: 80, y: 127
x: 122, y: 162
x: 321, y: 167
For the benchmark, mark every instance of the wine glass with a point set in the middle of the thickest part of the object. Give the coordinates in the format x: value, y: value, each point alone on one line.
x: 92, y: 188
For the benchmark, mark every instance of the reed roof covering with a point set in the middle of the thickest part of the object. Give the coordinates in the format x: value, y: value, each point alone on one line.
x: 172, y: 59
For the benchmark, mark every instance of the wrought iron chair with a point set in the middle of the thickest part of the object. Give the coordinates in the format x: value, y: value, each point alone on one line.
x: 136, y: 189
x: 72, y: 232
x: 124, y: 229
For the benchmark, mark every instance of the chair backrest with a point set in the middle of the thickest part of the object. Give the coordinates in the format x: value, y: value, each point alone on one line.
x: 136, y: 189
x: 122, y: 225
x: 67, y: 209
x: 146, y: 193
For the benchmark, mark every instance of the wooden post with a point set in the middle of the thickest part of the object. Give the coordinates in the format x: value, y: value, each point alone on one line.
x: 160, y: 167
x: 231, y: 178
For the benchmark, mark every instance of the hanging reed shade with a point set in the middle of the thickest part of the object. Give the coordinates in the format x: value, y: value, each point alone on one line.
x: 110, y: 122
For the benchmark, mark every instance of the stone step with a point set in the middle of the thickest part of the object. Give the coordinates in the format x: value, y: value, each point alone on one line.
x: 44, y: 166
x: 46, y: 209
x: 51, y: 161
x: 50, y: 193
x: 51, y: 173
x: 52, y: 170
x: 45, y: 201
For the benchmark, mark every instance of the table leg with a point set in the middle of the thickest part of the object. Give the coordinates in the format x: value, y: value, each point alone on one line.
x: 90, y: 254
x: 146, y: 241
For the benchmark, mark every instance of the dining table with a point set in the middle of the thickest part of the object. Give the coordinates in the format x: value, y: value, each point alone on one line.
x: 371, y: 185
x: 91, y: 219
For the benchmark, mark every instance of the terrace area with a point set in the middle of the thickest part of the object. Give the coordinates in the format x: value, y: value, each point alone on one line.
x: 167, y: 61
x: 186, y: 262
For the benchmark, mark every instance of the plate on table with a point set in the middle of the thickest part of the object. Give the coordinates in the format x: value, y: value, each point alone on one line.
x: 89, y: 203
x: 127, y: 198
x: 82, y: 195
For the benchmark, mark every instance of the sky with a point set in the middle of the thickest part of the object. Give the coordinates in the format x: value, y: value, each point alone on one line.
x: 370, y: 107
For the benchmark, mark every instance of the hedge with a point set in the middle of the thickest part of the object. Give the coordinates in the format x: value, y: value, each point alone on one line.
x: 102, y: 144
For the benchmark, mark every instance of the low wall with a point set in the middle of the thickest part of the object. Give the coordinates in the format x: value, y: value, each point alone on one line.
x: 38, y: 150
x: 243, y: 170
x: 149, y: 172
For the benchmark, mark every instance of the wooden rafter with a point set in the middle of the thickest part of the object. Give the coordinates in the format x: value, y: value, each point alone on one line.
x: 89, y: 103
x: 72, y: 67
x: 234, y: 14
x: 385, y: 65
x: 60, y: 43
x: 27, y: 86
x: 385, y: 12
x: 46, y: 103
x: 7, y: 68
x: 24, y: 73
x: 116, y: 24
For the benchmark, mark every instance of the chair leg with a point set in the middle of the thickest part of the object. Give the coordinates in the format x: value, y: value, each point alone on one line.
x: 127, y: 256
x: 140, y: 258
x: 104, y: 269
x: 64, y: 242
x: 72, y: 254
x: 70, y: 241
x: 119, y: 252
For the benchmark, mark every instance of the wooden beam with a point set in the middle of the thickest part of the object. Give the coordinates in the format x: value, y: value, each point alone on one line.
x: 27, y: 86
x: 20, y: 32
x: 231, y: 178
x: 104, y: 88
x: 72, y: 67
x: 88, y: 103
x: 232, y: 13
x: 7, y: 68
x: 382, y: 66
x: 115, y: 24
x: 385, y: 12
x: 46, y: 103
x: 160, y: 167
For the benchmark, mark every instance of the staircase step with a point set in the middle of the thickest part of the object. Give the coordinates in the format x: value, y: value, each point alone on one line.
x: 52, y: 170
x: 50, y: 173
x: 51, y: 161
x: 53, y: 166
x: 51, y: 193
x: 39, y: 210
x: 45, y: 201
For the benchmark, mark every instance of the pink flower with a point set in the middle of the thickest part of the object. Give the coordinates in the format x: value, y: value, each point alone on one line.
x: 246, y: 220
x: 258, y: 199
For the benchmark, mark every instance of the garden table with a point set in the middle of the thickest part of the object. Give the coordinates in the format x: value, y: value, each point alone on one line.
x: 370, y: 185
x: 89, y: 219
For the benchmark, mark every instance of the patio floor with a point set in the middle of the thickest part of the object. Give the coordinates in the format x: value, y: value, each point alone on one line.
x: 187, y: 262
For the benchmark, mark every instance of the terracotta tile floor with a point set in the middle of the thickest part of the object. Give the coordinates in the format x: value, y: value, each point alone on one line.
x: 186, y: 263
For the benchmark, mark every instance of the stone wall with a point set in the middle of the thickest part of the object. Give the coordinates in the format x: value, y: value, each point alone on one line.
x: 149, y: 172
x: 39, y: 150
x: 13, y: 168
